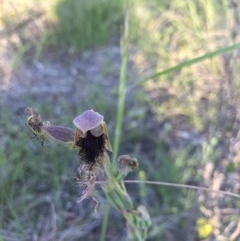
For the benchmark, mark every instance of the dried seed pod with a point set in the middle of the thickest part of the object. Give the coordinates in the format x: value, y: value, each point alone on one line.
x: 34, y: 121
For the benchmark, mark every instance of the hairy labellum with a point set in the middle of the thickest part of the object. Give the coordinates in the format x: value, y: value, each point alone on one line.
x: 91, y: 147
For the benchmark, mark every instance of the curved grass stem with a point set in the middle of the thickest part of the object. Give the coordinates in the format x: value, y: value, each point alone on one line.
x: 187, y: 63
x: 179, y: 185
x: 121, y: 105
x: 122, y: 86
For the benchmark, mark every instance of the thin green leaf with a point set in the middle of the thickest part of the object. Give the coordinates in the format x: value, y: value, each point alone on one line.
x: 188, y: 63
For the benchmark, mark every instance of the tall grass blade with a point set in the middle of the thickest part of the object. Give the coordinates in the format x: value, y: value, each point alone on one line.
x: 188, y: 63
x: 120, y: 109
x: 122, y: 85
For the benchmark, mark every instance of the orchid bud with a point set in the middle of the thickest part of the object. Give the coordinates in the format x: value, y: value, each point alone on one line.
x: 126, y: 164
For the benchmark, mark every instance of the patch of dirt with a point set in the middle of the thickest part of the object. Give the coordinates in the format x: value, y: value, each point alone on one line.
x: 70, y: 78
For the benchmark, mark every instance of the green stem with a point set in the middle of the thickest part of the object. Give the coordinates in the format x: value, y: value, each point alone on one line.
x: 122, y: 87
x: 105, y: 222
x: 120, y: 109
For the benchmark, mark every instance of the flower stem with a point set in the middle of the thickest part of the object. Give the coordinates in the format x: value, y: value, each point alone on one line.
x: 122, y: 86
x: 120, y: 108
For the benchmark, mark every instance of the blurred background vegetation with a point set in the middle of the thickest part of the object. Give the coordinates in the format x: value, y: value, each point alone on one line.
x: 63, y: 56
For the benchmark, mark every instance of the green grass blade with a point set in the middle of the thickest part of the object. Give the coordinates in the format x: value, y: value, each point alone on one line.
x: 188, y: 63
x: 122, y: 86
x: 105, y: 222
x: 120, y: 109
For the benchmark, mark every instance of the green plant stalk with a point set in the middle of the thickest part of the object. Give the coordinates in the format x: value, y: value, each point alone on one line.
x: 105, y: 222
x: 122, y: 86
x: 120, y: 110
x: 138, y: 220
x: 188, y: 63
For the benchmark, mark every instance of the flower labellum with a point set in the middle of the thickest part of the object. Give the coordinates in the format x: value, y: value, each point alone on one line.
x: 92, y: 140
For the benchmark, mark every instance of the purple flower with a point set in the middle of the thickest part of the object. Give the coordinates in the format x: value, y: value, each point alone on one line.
x: 91, y: 136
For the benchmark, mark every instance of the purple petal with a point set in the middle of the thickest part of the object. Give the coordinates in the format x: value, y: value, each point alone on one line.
x: 88, y: 120
x: 97, y: 131
x: 59, y: 133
